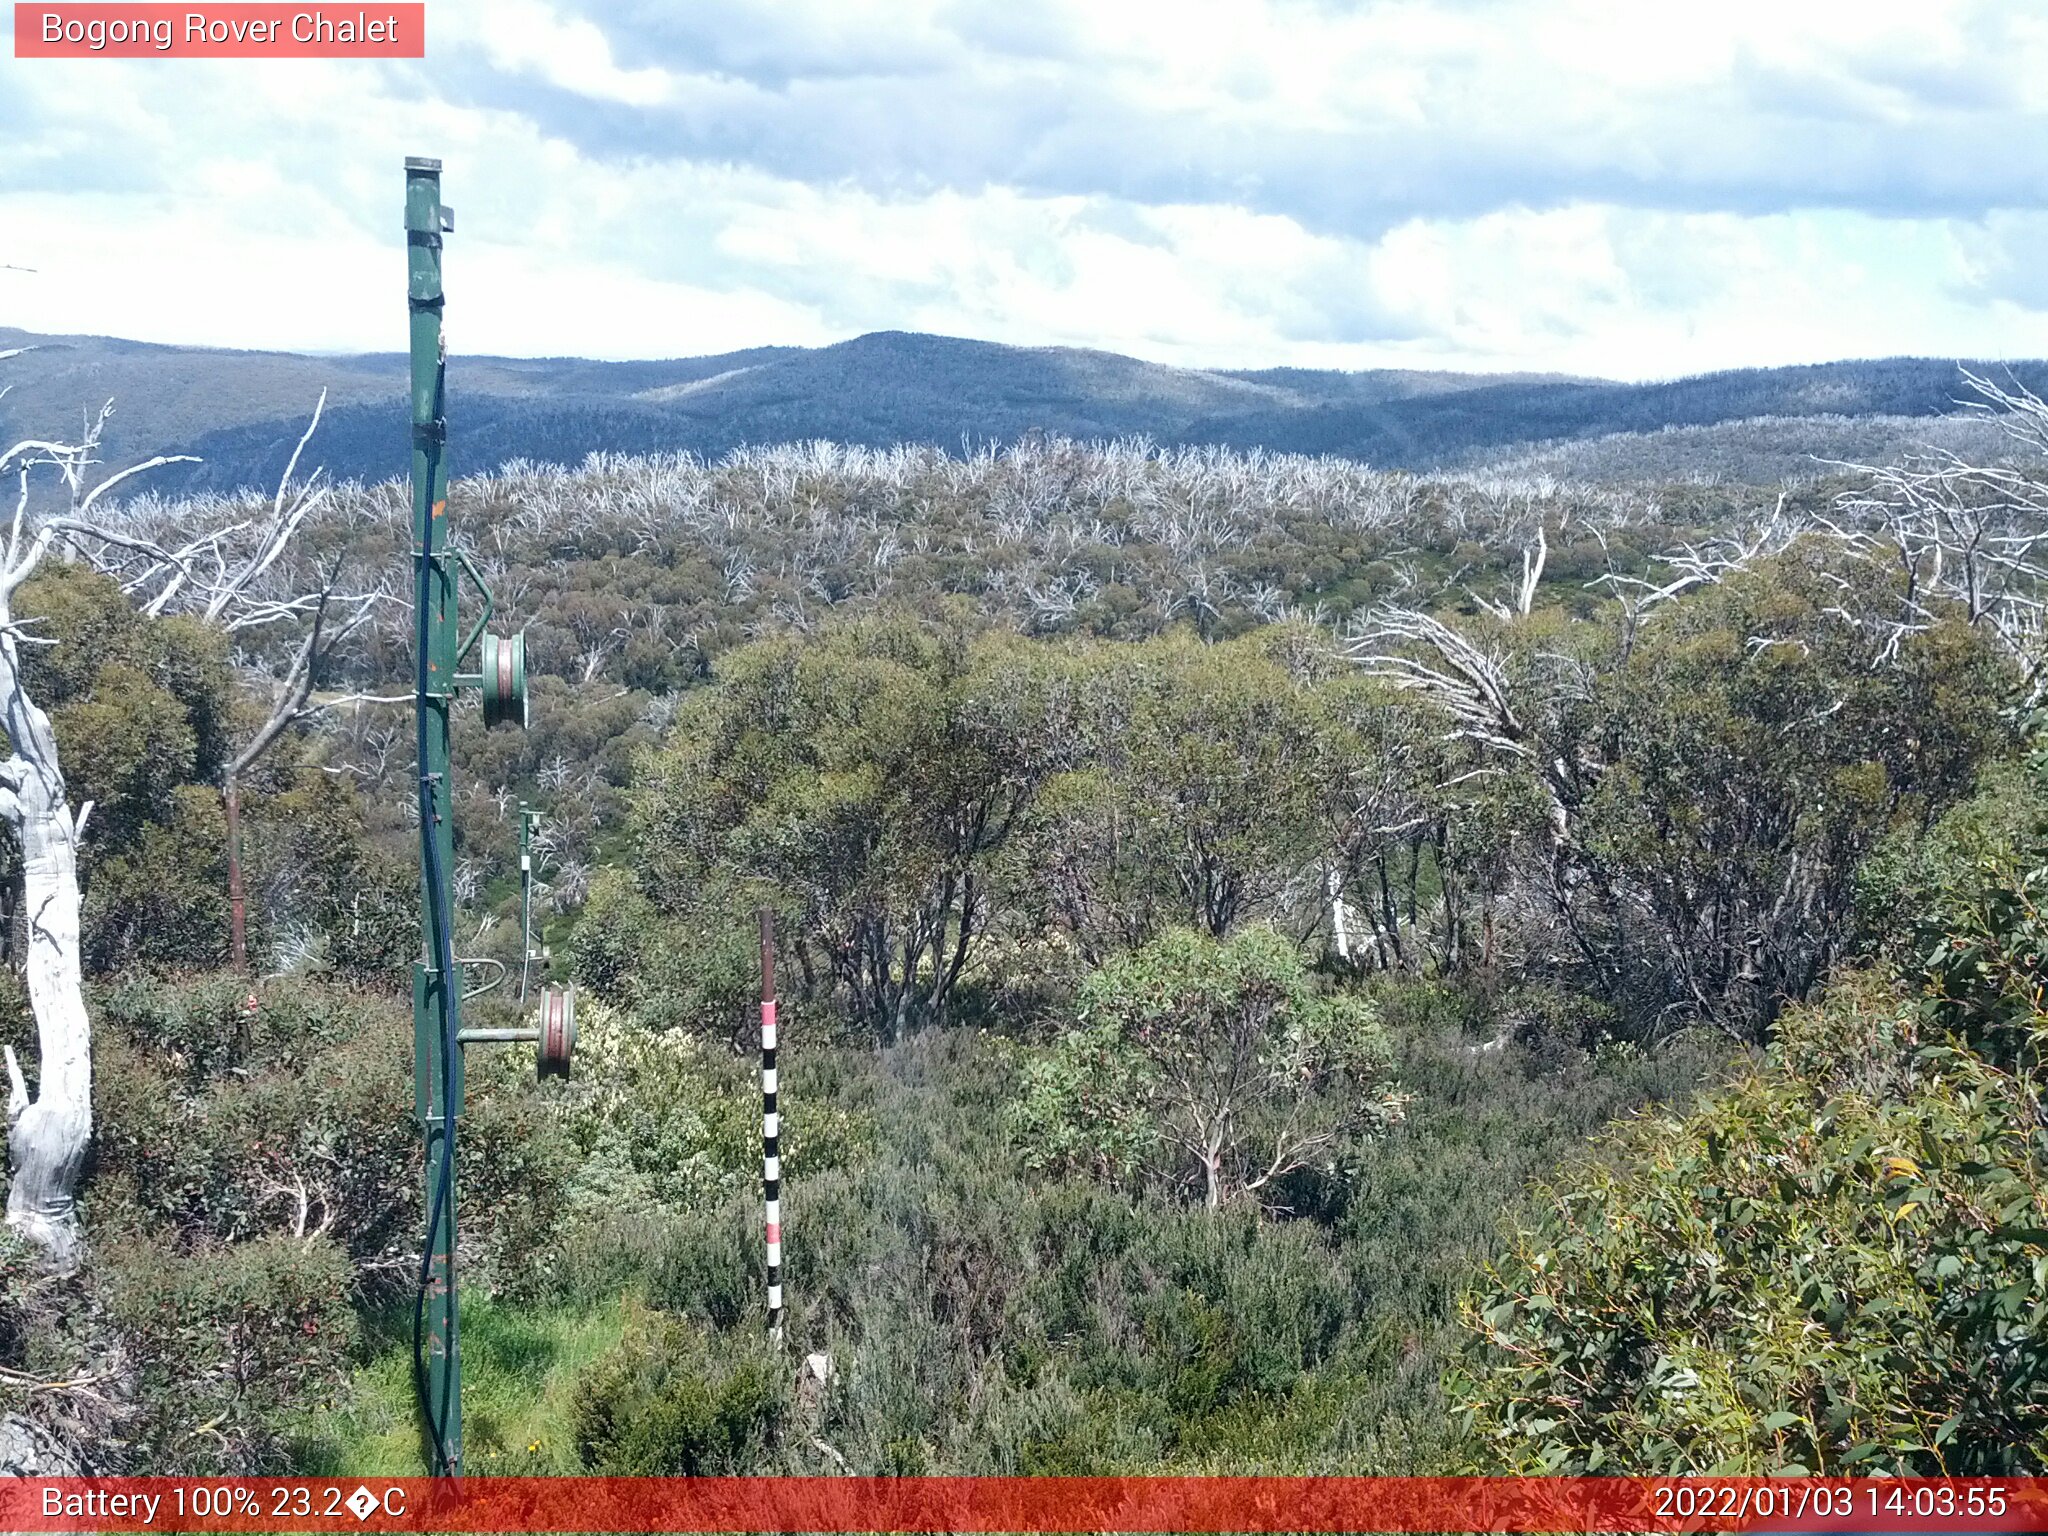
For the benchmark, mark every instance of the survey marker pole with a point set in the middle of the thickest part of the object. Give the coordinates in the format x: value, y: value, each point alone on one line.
x: 771, y: 1129
x: 437, y: 985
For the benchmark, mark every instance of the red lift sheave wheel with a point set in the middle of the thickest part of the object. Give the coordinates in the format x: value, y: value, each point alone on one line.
x: 557, y: 1030
x: 503, y: 679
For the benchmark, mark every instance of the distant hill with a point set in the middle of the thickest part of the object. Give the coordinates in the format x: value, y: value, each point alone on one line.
x: 242, y: 411
x: 1763, y: 450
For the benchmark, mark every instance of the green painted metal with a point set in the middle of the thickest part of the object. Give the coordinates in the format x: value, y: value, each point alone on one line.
x: 490, y: 607
x: 437, y: 990
x: 437, y: 1059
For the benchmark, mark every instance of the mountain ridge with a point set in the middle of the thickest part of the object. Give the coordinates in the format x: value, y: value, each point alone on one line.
x: 240, y: 411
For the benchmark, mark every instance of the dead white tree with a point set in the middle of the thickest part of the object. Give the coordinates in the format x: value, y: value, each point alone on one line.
x: 1698, y: 565
x: 1534, y: 557
x: 238, y: 574
x: 228, y: 573
x: 1963, y: 537
x: 1418, y: 652
x: 1340, y: 927
x: 48, y: 1132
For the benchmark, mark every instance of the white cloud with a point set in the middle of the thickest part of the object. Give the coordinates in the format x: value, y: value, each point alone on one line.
x: 1629, y: 293
x: 1593, y: 185
x: 567, y: 51
x: 110, y: 267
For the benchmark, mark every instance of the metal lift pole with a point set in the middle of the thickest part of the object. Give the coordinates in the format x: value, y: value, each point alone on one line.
x: 437, y: 990
x: 437, y: 986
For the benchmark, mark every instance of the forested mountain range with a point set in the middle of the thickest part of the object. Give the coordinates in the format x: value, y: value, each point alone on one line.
x: 240, y: 412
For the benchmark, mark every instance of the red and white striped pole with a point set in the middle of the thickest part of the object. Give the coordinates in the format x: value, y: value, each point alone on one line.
x: 771, y: 1129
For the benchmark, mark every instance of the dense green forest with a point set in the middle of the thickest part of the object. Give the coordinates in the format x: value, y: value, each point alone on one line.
x: 1286, y: 967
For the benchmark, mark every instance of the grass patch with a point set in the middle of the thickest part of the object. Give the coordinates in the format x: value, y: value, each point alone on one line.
x: 519, y: 1371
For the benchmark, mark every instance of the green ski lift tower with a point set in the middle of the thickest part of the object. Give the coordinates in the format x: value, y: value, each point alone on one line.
x: 438, y: 991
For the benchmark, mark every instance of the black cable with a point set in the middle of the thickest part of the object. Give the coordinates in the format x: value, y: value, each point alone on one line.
x: 444, y: 960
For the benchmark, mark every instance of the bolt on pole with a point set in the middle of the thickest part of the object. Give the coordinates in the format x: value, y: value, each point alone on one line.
x: 437, y: 986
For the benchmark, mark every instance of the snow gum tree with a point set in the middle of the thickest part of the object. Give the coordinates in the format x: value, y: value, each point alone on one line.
x: 47, y: 1132
x: 1211, y: 1066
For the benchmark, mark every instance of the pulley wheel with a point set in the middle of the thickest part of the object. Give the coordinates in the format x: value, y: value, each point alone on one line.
x: 504, y: 680
x: 557, y: 1030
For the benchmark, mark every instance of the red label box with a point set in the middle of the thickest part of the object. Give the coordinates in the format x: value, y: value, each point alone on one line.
x: 145, y: 1506
x: 373, y: 30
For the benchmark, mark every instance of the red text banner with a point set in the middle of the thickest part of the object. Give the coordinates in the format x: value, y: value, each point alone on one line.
x: 221, y: 31
x: 1138, y: 1504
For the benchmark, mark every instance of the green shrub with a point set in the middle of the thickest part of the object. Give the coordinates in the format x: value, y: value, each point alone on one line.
x: 664, y: 1120
x: 1839, y: 1265
x: 374, y: 932
x: 1904, y: 880
x: 658, y: 1118
x: 983, y: 1320
x: 230, y: 1347
x: 668, y: 1403
x: 217, y: 1124
x: 613, y: 931
x: 52, y: 1329
x: 204, y: 1028
x: 712, y: 1264
x: 518, y: 1167
x: 163, y: 898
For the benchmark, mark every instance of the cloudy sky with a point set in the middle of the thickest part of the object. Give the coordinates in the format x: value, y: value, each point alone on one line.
x: 1614, y: 187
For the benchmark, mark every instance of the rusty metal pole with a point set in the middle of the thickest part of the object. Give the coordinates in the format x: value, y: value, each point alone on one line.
x: 238, y: 906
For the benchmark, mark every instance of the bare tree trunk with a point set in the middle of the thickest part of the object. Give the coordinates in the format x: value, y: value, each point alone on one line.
x: 238, y: 946
x: 17, y: 927
x: 1390, y: 915
x: 47, y: 1137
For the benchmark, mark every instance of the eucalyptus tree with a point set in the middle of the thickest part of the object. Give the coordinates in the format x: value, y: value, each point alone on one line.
x: 1712, y: 758
x: 1214, y: 1067
x: 868, y: 780
x: 254, y: 573
x: 1681, y: 1304
x: 1195, y: 801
